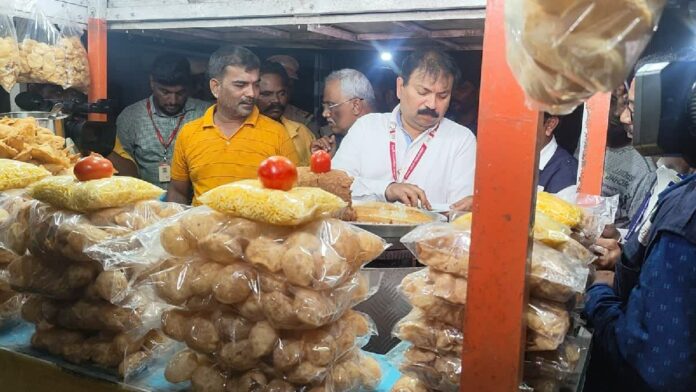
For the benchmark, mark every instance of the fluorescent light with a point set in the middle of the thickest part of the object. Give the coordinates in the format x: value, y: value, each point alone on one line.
x: 385, y: 56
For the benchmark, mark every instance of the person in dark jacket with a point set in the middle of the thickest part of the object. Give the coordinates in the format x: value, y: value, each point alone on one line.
x: 558, y: 169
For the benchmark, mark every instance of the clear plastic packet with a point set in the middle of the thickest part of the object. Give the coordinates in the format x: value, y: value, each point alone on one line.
x: 249, y: 199
x: 257, y: 296
x: 65, y: 192
x: 53, y: 279
x: 558, y: 364
x: 14, y: 225
x: 563, y: 52
x: 235, y: 344
x: 16, y: 174
x: 75, y: 60
x: 547, y: 325
x: 126, y: 353
x: 40, y: 57
x: 554, y: 276
x: 435, y: 371
x: 599, y: 211
x: 9, y: 53
x: 441, y: 246
x: 419, y: 291
x: 318, y: 255
x: 409, y: 384
x: 66, y: 235
x: 559, y: 210
x: 10, y: 302
x: 429, y: 334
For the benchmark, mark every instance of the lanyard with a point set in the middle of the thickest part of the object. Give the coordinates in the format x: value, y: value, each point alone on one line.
x: 157, y: 131
x: 416, y: 160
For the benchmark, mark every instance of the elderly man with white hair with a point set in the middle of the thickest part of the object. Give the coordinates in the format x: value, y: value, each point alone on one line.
x: 348, y: 95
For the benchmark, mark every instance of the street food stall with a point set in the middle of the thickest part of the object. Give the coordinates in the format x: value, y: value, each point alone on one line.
x: 257, y: 288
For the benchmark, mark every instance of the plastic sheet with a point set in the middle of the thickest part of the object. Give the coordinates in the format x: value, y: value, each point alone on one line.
x: 556, y: 365
x: 547, y: 325
x: 563, y: 52
x: 554, y: 276
x: 248, y: 199
x: 15, y: 174
x: 429, y: 334
x: 65, y: 192
x: 599, y: 211
x: 9, y: 53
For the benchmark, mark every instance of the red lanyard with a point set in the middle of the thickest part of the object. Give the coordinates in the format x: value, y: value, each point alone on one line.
x: 157, y: 131
x: 416, y: 160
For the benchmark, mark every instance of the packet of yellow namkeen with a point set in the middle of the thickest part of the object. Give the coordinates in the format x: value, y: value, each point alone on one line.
x: 66, y: 192
x: 249, y: 199
x: 16, y: 174
x: 546, y: 230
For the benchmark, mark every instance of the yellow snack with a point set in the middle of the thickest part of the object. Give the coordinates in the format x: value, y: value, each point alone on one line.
x: 559, y: 210
x: 546, y: 230
x: 9, y: 60
x: 248, y: 199
x: 15, y: 174
x: 67, y: 193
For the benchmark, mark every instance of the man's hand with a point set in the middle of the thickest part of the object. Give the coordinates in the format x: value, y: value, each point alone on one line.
x: 611, y: 232
x: 326, y: 143
x: 408, y: 194
x: 464, y: 204
x: 604, y: 277
x: 609, y: 253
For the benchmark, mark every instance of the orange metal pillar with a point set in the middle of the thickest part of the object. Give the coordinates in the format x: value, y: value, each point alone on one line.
x: 96, y: 51
x: 594, y: 143
x: 506, y: 170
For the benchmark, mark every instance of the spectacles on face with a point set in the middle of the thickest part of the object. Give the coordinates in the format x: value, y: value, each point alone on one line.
x: 331, y: 107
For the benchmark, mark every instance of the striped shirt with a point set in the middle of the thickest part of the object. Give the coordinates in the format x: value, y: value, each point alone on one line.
x: 207, y: 158
x: 135, y: 131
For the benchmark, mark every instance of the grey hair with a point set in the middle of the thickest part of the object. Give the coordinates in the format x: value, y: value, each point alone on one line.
x: 232, y: 56
x: 354, y: 84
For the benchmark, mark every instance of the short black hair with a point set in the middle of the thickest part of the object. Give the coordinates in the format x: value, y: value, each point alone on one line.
x: 268, y: 67
x: 171, y: 69
x: 231, y: 56
x: 433, y: 62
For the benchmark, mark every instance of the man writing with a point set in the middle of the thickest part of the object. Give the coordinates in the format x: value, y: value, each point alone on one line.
x: 272, y: 102
x: 348, y: 95
x: 413, y: 154
x: 232, y: 138
x: 147, y: 129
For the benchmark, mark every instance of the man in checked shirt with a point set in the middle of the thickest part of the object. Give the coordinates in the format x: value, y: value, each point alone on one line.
x: 147, y: 129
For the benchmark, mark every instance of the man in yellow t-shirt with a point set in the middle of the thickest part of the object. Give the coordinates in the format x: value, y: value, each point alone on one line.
x: 232, y: 138
x: 272, y: 102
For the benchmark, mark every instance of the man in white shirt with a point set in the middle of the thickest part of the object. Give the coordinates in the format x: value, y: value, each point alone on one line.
x: 558, y: 169
x: 413, y: 154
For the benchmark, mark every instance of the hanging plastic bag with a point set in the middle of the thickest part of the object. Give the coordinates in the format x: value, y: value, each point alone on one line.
x: 564, y: 51
x: 75, y: 62
x: 40, y: 58
x: 9, y: 53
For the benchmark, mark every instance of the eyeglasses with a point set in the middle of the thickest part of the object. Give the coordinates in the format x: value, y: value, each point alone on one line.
x: 330, y: 107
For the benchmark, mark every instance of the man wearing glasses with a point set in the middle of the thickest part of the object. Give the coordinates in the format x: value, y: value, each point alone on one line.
x: 413, y: 155
x: 348, y: 95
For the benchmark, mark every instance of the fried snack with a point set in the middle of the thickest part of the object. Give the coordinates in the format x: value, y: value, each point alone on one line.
x: 75, y: 62
x: 547, y: 325
x: 390, y: 213
x: 336, y: 182
x: 419, y: 291
x: 21, y: 139
x: 59, y: 280
x: 441, y: 246
x: 429, y: 334
x: 248, y: 199
x: 409, y: 384
x: 559, y: 210
x: 449, y: 287
x: 9, y: 55
x: 554, y: 276
x: 15, y: 174
x: 438, y: 372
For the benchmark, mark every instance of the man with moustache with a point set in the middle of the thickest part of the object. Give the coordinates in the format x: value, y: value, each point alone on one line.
x: 348, y: 95
x: 232, y: 138
x: 272, y: 102
x: 413, y: 154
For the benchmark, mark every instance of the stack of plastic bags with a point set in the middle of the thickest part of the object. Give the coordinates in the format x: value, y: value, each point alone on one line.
x: 558, y: 276
x: 83, y: 312
x: 262, y: 304
x: 9, y: 53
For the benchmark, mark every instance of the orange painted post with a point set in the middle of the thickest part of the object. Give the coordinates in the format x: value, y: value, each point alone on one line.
x: 96, y: 52
x: 594, y: 142
x: 506, y: 170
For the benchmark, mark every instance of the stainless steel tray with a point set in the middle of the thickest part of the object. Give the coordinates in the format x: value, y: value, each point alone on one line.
x: 391, y: 231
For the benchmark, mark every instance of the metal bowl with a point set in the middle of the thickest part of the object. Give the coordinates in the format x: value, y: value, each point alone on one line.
x: 392, y: 233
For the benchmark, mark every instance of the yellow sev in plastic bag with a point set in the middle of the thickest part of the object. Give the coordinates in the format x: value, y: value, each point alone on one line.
x: 66, y: 192
x: 249, y: 199
x: 16, y: 174
x: 559, y: 210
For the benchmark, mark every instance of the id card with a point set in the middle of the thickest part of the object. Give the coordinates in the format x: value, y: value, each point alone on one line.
x: 165, y: 172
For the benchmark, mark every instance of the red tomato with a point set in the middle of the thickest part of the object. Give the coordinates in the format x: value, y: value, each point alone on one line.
x: 278, y: 172
x: 320, y: 162
x: 93, y: 167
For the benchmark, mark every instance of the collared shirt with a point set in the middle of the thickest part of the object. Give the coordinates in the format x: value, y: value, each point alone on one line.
x: 445, y: 172
x: 644, y: 329
x: 293, y: 113
x: 207, y: 158
x: 545, y: 155
x: 137, y: 135
x: 302, y: 137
